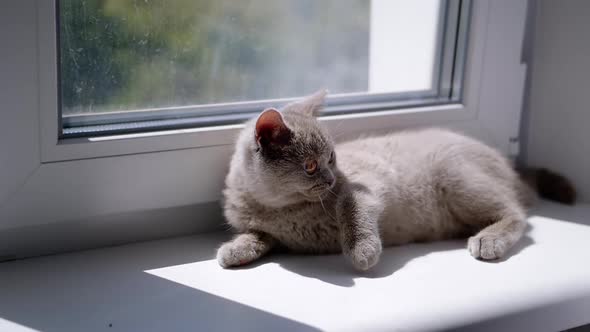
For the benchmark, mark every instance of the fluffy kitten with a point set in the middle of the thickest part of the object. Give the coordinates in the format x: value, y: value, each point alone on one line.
x: 290, y: 186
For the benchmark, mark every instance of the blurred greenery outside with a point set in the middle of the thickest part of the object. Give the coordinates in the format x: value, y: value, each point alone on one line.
x: 135, y: 54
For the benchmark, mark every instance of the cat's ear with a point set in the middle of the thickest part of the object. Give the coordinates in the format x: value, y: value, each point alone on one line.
x: 271, y: 130
x: 310, y: 105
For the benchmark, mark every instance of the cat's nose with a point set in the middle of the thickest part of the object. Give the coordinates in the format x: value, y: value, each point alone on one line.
x: 330, y: 181
x: 328, y: 178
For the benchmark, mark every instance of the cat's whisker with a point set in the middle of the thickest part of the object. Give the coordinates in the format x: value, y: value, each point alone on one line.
x: 334, y: 132
x: 338, y: 125
x: 324, y: 208
x: 337, y: 135
x: 331, y: 192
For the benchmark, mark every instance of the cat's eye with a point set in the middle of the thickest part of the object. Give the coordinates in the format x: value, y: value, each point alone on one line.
x: 310, y: 166
x: 332, y: 157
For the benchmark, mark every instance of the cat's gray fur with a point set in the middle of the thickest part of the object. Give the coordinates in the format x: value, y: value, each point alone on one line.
x: 420, y: 185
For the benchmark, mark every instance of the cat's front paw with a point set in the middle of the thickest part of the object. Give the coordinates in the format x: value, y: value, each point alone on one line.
x: 364, y: 253
x: 487, y: 247
x: 230, y: 254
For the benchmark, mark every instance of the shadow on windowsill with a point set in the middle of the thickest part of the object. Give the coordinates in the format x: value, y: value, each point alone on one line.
x: 336, y: 270
x: 110, y: 290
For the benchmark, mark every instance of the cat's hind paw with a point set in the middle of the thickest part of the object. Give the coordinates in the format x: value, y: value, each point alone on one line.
x: 487, y: 247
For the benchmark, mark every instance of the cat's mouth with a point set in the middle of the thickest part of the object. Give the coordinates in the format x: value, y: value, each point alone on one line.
x: 320, y: 191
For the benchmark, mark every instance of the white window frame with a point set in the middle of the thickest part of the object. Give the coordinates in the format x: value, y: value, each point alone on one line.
x: 48, y: 182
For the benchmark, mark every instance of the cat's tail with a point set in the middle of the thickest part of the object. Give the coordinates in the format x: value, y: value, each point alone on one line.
x: 549, y: 185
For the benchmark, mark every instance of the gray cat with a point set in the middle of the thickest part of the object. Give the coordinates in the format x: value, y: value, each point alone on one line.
x: 289, y: 186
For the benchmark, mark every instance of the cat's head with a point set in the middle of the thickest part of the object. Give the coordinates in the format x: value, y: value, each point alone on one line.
x: 294, y: 155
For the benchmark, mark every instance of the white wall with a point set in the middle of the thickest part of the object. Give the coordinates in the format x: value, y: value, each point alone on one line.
x: 559, y: 117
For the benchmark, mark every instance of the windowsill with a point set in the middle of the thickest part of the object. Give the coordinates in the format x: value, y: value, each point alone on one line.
x: 177, y: 285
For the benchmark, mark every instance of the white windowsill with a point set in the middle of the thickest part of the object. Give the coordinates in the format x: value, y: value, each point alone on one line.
x: 176, y: 285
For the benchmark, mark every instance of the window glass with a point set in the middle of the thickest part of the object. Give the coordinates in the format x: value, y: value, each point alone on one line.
x: 145, y: 55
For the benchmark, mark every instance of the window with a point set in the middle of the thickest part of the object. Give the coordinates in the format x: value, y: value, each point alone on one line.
x: 129, y: 66
x: 167, y: 182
